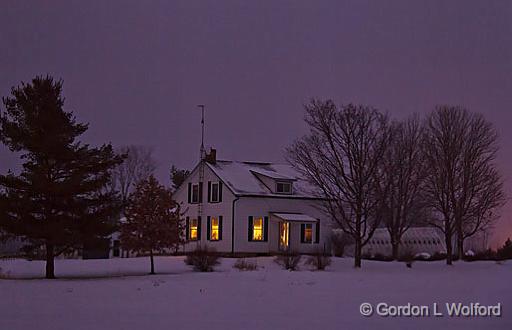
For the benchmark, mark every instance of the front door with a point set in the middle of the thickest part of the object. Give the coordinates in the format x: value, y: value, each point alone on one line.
x: 284, y: 236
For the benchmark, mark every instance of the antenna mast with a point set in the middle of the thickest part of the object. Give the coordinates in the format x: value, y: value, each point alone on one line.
x: 201, y: 151
x: 202, y: 158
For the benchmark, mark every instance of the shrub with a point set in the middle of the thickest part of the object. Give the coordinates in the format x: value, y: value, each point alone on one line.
x: 437, y: 256
x: 203, y: 259
x: 407, y: 257
x: 319, y: 260
x: 377, y: 256
x: 422, y: 256
x: 488, y: 254
x: 382, y: 257
x: 244, y: 265
x: 288, y: 260
x: 339, y: 241
x: 4, y: 275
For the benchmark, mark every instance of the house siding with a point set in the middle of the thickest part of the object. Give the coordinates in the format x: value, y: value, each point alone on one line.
x: 260, y: 206
x: 223, y: 209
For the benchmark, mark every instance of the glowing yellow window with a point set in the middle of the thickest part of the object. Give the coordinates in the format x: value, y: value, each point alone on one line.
x: 257, y: 229
x: 193, y: 229
x: 308, y: 233
x: 214, y: 230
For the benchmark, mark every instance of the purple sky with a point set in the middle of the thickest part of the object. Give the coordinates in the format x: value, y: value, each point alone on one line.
x: 135, y: 70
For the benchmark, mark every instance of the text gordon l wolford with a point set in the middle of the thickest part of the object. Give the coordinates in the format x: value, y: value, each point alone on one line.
x: 452, y: 309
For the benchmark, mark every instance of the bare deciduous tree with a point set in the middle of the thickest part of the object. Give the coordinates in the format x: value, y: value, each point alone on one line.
x: 178, y: 176
x: 138, y: 165
x: 463, y: 185
x: 403, y: 174
x: 340, y: 158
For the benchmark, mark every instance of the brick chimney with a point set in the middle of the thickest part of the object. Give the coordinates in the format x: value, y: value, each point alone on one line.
x: 212, y: 156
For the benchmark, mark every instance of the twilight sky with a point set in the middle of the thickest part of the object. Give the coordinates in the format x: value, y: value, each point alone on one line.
x: 135, y: 70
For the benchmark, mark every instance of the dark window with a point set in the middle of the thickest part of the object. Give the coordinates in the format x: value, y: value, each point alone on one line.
x: 215, y: 192
x: 284, y: 187
x: 195, y: 193
x: 116, y: 248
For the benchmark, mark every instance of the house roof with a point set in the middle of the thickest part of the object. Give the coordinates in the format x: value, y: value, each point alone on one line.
x: 273, y: 175
x: 298, y: 217
x: 241, y: 179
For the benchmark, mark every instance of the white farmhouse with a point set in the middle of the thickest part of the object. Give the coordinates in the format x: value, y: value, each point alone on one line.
x: 251, y: 208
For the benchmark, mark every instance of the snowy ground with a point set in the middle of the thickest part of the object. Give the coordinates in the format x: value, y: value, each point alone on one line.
x: 117, y: 294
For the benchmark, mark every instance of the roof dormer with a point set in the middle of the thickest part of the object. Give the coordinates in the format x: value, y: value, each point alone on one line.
x: 277, y: 183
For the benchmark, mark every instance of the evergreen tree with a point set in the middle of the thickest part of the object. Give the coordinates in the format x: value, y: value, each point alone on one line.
x: 153, y: 220
x: 505, y: 252
x: 58, y: 200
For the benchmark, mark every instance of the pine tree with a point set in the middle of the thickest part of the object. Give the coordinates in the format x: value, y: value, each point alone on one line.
x: 153, y: 220
x: 58, y: 200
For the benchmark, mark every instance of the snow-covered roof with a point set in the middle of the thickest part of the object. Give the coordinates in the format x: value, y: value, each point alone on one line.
x: 299, y: 217
x: 413, y: 233
x: 241, y: 178
x: 273, y: 175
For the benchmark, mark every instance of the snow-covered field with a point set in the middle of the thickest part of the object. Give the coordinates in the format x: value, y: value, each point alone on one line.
x: 117, y: 294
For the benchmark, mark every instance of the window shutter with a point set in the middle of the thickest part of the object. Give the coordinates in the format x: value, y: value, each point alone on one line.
x: 220, y: 191
x: 209, y: 191
x: 317, y: 238
x: 187, y: 227
x: 302, y: 232
x: 220, y: 228
x: 265, y: 229
x: 249, y: 232
x: 200, y: 192
x: 189, y: 192
x: 208, y: 229
x: 198, y: 228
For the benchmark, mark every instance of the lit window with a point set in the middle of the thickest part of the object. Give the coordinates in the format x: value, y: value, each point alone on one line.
x: 214, y: 229
x: 257, y: 229
x: 193, y: 229
x: 195, y: 193
x: 215, y: 192
x: 284, y: 235
x: 308, y: 233
x: 284, y: 187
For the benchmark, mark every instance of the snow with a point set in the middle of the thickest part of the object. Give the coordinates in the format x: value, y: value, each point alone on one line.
x: 241, y: 180
x: 298, y: 217
x: 117, y: 294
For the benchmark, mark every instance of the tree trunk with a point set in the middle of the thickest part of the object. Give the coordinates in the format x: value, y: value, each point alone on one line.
x: 152, y: 262
x: 395, y: 250
x: 357, y: 253
x: 460, y: 242
x: 449, y: 252
x: 50, y: 266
